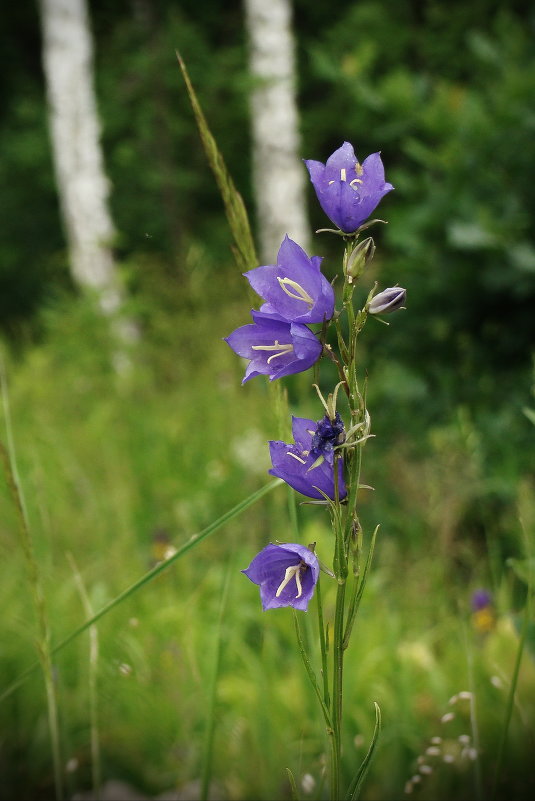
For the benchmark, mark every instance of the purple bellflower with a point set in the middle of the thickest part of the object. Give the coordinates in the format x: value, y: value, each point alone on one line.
x: 308, y: 465
x: 274, y: 346
x: 287, y: 575
x: 389, y: 300
x: 294, y: 288
x: 348, y: 191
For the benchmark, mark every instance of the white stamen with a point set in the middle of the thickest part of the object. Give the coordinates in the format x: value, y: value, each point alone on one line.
x: 283, y: 349
x: 294, y: 456
x: 355, y: 181
x: 293, y: 570
x: 343, y: 174
x: 300, y: 293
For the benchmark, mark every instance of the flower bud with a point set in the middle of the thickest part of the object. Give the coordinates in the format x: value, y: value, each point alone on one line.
x: 388, y: 300
x: 360, y: 256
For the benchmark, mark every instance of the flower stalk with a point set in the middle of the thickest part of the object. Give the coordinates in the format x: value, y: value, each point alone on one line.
x: 324, y: 461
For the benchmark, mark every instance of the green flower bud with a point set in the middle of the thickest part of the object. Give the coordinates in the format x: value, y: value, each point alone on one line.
x: 360, y: 256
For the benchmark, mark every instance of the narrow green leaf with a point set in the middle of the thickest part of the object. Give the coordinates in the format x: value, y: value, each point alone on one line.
x: 151, y: 574
x: 354, y: 788
x: 357, y: 595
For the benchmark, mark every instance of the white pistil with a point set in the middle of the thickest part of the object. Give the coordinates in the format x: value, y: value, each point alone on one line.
x: 293, y: 570
x: 294, y: 456
x: 283, y: 349
x: 300, y: 293
x: 358, y: 168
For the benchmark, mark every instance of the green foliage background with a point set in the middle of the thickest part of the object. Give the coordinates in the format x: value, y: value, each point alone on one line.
x: 445, y: 91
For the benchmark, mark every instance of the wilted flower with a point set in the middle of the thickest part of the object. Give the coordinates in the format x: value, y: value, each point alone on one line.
x: 274, y: 346
x: 294, y: 288
x: 287, y: 575
x: 308, y: 465
x: 388, y: 300
x: 329, y: 433
x: 348, y: 191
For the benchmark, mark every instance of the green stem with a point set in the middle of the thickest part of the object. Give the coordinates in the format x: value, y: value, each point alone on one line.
x: 510, y: 701
x: 93, y: 666
x: 338, y: 674
x: 323, y: 647
x: 43, y: 644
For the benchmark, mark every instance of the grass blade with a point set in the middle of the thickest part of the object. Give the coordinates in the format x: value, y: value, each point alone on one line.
x: 354, y: 788
x: 151, y: 574
x: 238, y: 220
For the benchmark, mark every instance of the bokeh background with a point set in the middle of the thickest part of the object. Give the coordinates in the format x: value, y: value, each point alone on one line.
x: 116, y: 468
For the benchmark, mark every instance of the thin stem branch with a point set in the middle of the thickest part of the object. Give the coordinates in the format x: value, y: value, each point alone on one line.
x: 43, y: 643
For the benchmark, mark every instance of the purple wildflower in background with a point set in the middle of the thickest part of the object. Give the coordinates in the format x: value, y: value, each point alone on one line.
x: 480, y: 600
x: 348, y: 191
x: 294, y: 288
x: 274, y: 346
x: 308, y: 470
x: 389, y: 300
x: 287, y: 575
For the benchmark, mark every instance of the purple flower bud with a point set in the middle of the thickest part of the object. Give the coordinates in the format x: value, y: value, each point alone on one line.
x: 348, y: 191
x: 294, y: 288
x: 287, y: 575
x: 274, y: 346
x: 388, y: 300
x: 308, y: 464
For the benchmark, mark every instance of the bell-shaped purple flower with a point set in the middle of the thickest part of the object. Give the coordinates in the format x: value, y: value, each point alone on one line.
x: 287, y: 575
x: 274, y: 346
x: 294, y: 288
x: 308, y: 464
x: 389, y: 300
x: 348, y: 191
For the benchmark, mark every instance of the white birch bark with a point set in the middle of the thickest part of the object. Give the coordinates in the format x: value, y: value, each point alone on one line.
x: 75, y: 136
x: 278, y: 172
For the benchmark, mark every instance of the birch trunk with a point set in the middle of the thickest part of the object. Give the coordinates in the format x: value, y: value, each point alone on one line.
x: 278, y: 172
x: 75, y: 136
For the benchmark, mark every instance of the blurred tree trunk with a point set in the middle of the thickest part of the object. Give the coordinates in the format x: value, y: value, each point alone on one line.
x: 278, y: 172
x: 75, y: 135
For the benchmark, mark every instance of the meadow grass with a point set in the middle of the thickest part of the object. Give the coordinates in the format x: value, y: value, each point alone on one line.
x: 116, y: 471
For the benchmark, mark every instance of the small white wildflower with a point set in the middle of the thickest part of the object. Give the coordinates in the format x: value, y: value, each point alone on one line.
x: 308, y: 782
x: 447, y: 717
x: 464, y: 739
x: 124, y: 669
x: 425, y: 769
x: 433, y: 750
x: 436, y: 740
